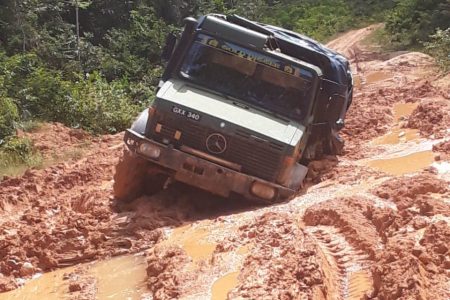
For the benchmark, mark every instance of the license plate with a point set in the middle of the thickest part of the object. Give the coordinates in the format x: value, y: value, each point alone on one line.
x: 186, y: 113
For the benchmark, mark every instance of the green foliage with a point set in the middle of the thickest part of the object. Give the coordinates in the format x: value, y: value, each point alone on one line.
x: 413, y: 21
x: 320, y: 19
x: 99, y: 106
x: 439, y: 47
x: 135, y: 50
x: 47, y: 95
x: 17, y: 155
x: 93, y: 103
x: 324, y: 20
x: 17, y: 147
x: 8, y: 116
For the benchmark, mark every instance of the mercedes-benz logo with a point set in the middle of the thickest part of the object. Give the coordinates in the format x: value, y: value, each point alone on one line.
x: 216, y: 143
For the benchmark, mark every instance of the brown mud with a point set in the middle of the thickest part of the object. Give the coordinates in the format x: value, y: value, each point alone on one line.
x: 372, y: 224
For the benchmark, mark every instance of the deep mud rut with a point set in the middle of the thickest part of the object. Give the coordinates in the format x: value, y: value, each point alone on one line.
x: 373, y: 223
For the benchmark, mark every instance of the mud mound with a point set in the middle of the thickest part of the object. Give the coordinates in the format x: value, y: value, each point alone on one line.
x: 350, y: 174
x: 371, y: 112
x: 410, y: 59
x: 443, y: 82
x: 317, y: 168
x: 398, y: 274
x: 329, y: 168
x: 443, y: 148
x: 54, y: 140
x: 349, y: 216
x: 407, y: 270
x: 365, y: 119
x: 65, y: 215
x: 432, y: 118
x: 81, y: 285
x: 283, y: 263
x: 436, y: 243
x: 405, y: 263
x: 413, y: 195
x: 166, y: 271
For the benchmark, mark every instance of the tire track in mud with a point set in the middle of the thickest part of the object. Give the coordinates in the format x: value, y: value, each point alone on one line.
x: 345, y: 268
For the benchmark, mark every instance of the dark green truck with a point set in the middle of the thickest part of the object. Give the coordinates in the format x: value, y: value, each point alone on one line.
x: 241, y: 109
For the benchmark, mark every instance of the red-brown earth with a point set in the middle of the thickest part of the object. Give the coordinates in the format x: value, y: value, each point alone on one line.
x: 359, y: 231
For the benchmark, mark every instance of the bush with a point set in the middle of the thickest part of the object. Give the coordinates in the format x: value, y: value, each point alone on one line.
x: 99, y: 106
x: 412, y: 21
x: 17, y: 147
x: 439, y: 48
x: 47, y: 95
x: 317, y: 19
x: 8, y: 116
x: 17, y: 155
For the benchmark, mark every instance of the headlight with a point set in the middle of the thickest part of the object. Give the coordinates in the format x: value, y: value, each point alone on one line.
x: 149, y: 150
x: 263, y: 191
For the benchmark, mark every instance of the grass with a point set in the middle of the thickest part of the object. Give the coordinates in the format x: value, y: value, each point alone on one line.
x: 377, y: 41
x: 30, y: 125
x: 15, y: 163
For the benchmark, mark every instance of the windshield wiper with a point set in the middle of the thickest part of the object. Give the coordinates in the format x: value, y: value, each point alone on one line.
x: 241, y: 105
x: 237, y: 102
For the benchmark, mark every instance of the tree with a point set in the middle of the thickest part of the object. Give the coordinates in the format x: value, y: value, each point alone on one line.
x: 413, y: 21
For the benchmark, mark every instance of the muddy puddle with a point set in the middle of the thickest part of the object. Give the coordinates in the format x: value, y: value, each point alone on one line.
x: 397, y: 134
x: 224, y: 285
x: 357, y: 80
x: 115, y: 279
x: 402, y: 110
x: 404, y: 164
x: 376, y: 76
x: 414, y: 157
x: 194, y: 241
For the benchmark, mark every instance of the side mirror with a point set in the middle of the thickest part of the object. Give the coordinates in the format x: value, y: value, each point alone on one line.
x: 171, y: 41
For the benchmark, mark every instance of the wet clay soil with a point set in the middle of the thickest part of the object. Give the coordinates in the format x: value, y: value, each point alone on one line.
x: 372, y: 224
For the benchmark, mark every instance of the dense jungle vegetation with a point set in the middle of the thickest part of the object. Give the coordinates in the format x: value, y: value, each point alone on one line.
x: 98, y: 72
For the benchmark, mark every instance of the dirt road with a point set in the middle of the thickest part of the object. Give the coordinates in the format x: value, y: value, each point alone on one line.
x: 373, y: 223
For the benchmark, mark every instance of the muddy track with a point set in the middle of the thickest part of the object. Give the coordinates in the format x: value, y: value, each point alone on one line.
x: 348, y: 273
x: 371, y: 224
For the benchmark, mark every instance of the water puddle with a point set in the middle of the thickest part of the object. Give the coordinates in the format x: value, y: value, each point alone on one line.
x: 244, y: 250
x: 403, y: 109
x: 194, y: 241
x: 115, y: 279
x: 224, y: 285
x: 121, y: 278
x: 397, y: 136
x: 357, y: 81
x: 377, y: 76
x: 404, y: 164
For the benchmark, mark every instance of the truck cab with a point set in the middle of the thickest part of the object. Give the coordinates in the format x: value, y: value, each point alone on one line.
x: 241, y: 108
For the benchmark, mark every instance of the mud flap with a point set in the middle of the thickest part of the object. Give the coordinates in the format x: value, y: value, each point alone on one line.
x: 297, y: 176
x: 336, y: 143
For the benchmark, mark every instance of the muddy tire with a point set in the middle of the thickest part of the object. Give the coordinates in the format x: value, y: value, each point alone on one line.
x: 134, y: 177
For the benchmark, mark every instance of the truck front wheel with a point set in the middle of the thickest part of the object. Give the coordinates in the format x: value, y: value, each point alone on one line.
x: 135, y: 176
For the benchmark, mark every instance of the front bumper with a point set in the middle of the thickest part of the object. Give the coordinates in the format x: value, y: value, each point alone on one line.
x: 203, y: 173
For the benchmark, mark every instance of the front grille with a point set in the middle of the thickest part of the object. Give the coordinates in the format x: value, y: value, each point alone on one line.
x: 257, y: 157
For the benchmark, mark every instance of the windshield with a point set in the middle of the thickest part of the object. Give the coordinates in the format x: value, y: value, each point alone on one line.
x: 254, y: 77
